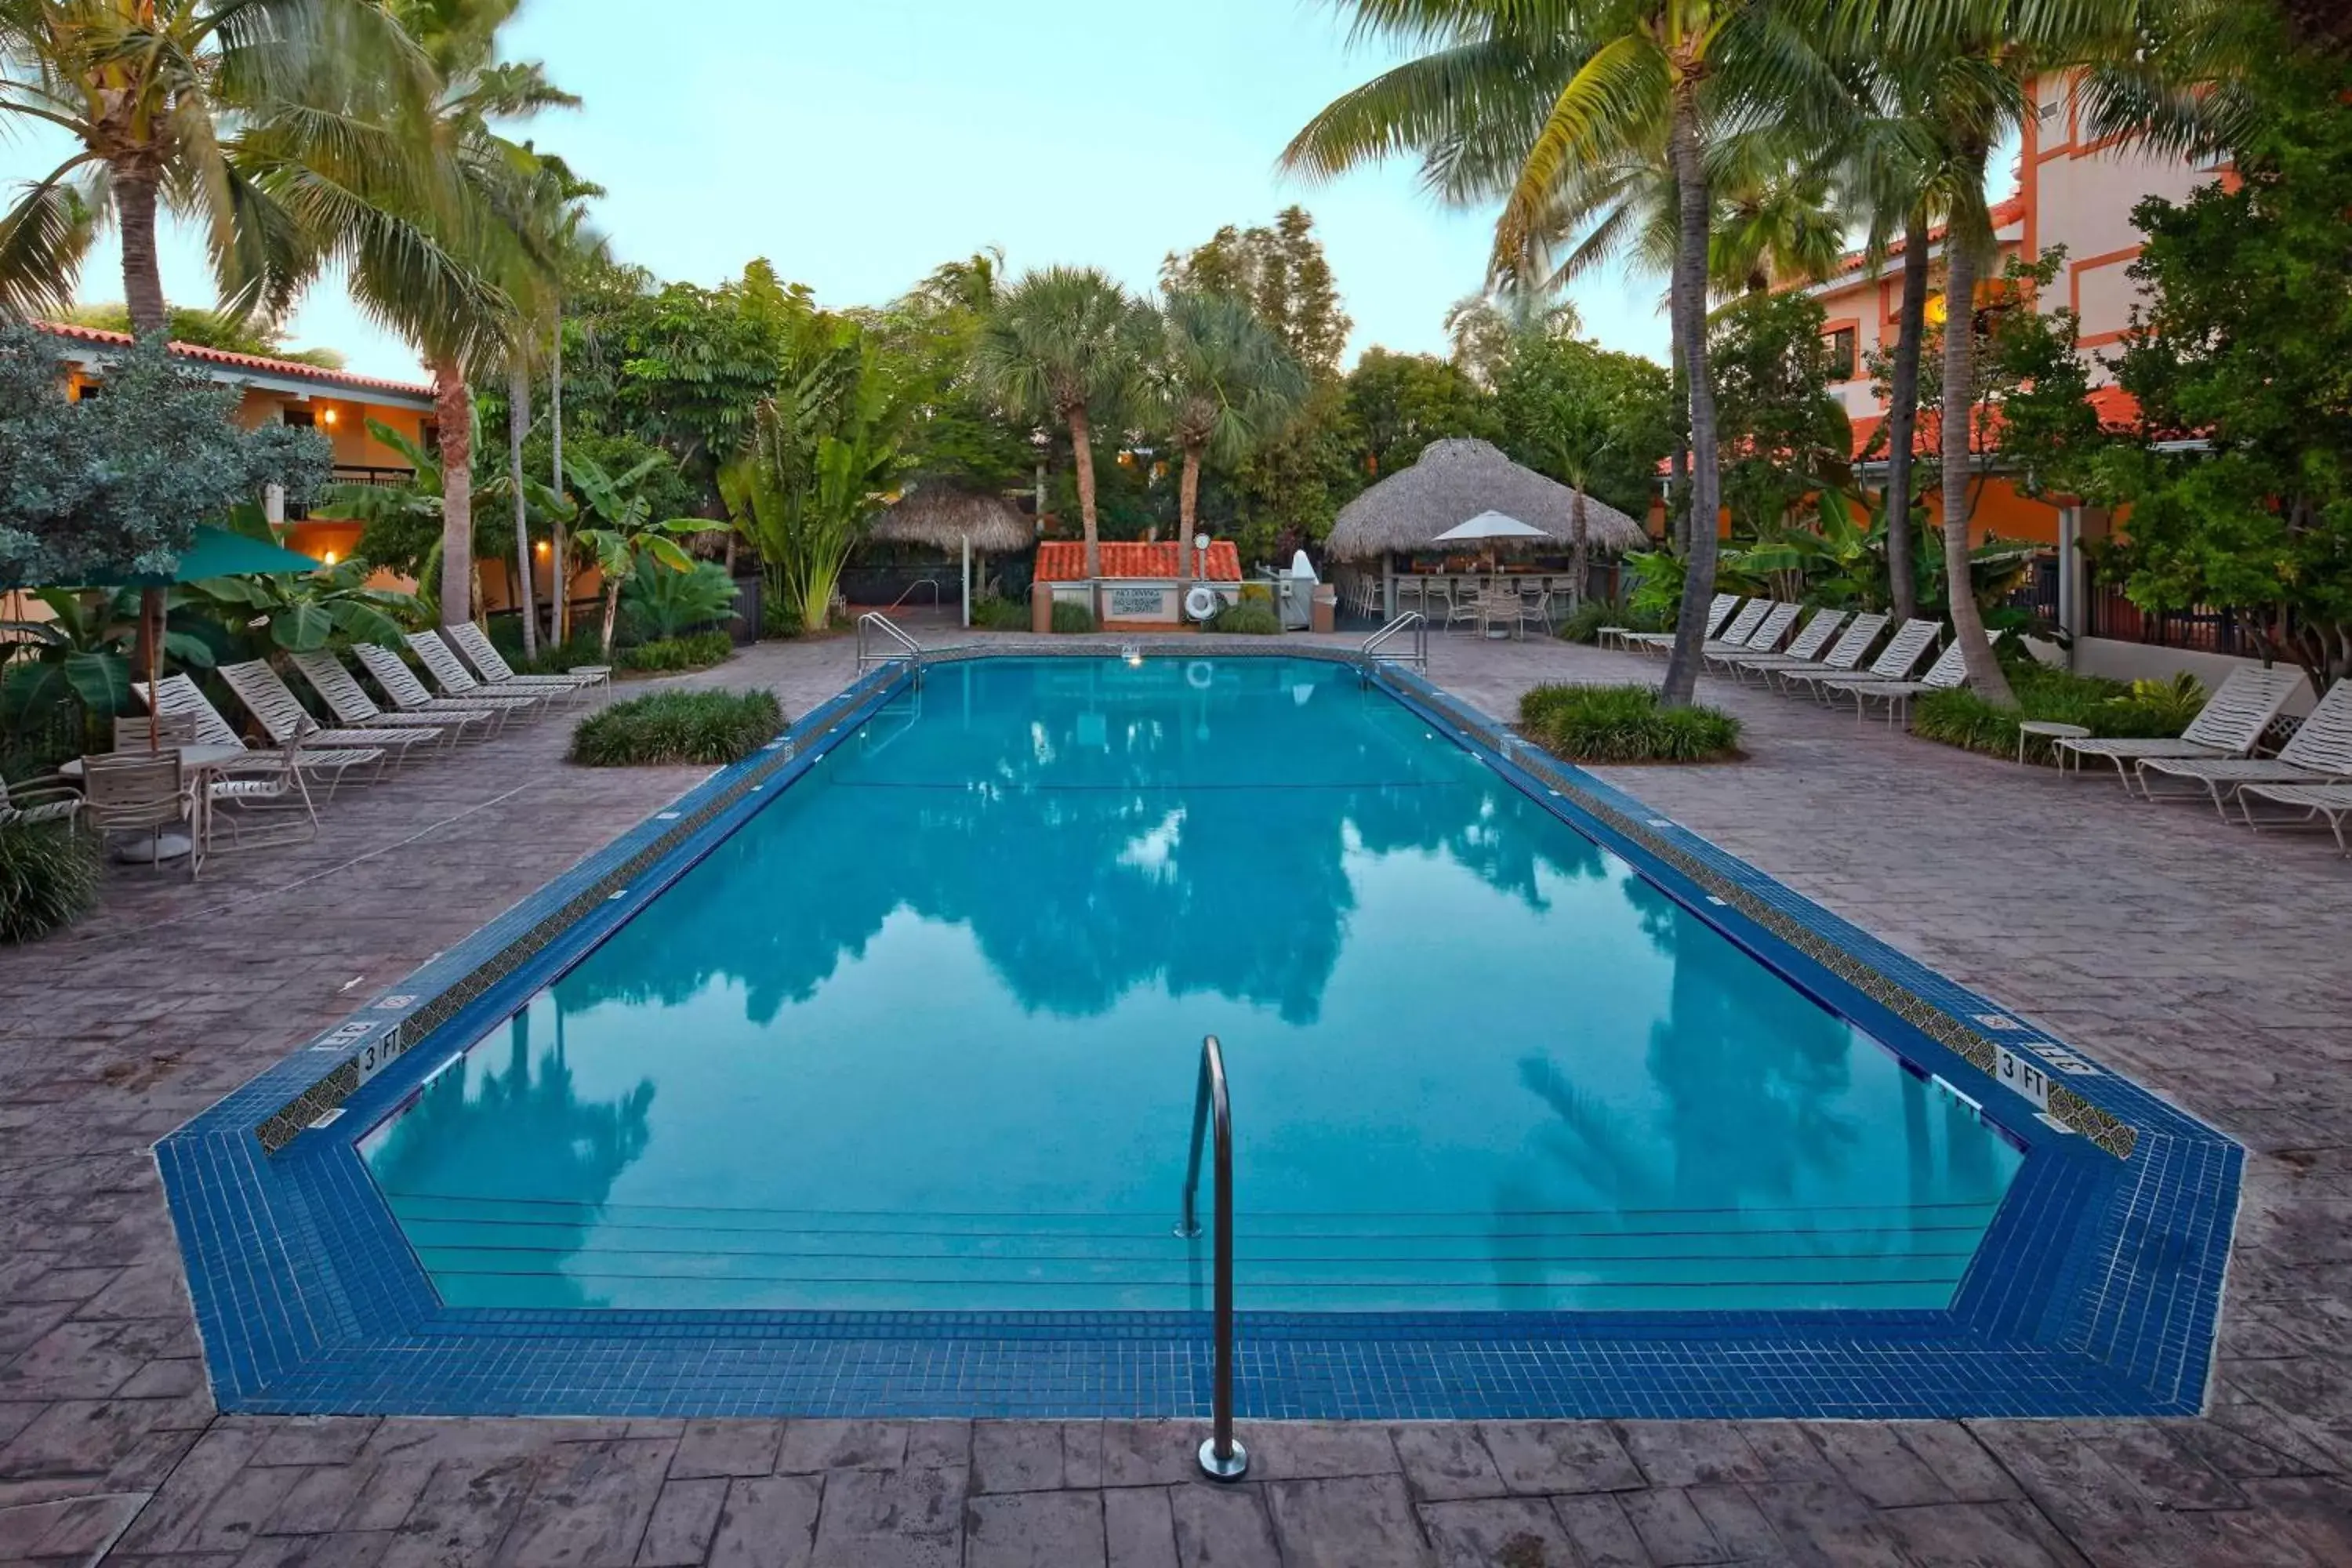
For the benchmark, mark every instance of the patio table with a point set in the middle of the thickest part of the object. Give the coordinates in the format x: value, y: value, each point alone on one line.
x: 198, y: 762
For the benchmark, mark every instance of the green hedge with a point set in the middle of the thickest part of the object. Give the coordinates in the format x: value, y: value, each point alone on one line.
x: 708, y: 728
x: 699, y: 650
x: 1584, y: 623
x: 1623, y: 725
x: 48, y: 879
x: 1069, y: 617
x: 1000, y: 615
x: 2105, y: 707
x: 1251, y: 617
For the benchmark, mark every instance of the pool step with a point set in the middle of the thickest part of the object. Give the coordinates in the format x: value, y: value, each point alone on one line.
x: 642, y: 1256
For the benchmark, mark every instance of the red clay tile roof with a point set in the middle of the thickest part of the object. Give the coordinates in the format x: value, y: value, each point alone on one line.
x: 2002, y: 214
x: 2117, y: 410
x: 1065, y: 561
x: 223, y: 357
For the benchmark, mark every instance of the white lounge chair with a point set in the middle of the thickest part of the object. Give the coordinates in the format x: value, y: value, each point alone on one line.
x: 1895, y: 662
x: 1948, y: 673
x: 46, y: 799
x: 350, y: 704
x: 455, y: 680
x: 1844, y: 655
x: 2230, y: 724
x: 404, y: 691
x: 2319, y: 752
x: 1805, y: 649
x: 1718, y: 611
x: 1763, y: 637
x: 178, y: 694
x: 2333, y: 801
x: 475, y: 646
x: 284, y: 718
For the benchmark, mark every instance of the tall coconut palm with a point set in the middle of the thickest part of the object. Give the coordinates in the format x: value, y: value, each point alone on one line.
x: 1223, y: 382
x: 1612, y: 79
x: 1064, y: 343
x: 428, y: 210
x: 1781, y: 226
x: 154, y: 93
x: 1484, y: 327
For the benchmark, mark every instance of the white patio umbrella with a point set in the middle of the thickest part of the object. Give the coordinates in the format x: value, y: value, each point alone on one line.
x: 1492, y: 529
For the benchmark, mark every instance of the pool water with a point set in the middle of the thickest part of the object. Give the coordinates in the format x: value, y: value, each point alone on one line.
x: 924, y: 1034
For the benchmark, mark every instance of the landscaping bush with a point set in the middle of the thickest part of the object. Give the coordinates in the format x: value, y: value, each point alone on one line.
x: 1069, y: 617
x: 1584, y: 623
x: 1623, y: 725
x: 1001, y: 615
x: 699, y: 652
x: 704, y: 727
x: 48, y: 879
x: 661, y: 604
x: 2105, y: 707
x: 1251, y: 617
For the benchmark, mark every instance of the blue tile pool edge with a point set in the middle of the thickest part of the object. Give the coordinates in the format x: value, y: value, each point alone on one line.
x: 309, y: 1300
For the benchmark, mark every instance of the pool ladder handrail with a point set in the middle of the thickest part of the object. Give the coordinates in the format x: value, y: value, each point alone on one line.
x: 1222, y: 1458
x: 1412, y: 621
x: 908, y: 647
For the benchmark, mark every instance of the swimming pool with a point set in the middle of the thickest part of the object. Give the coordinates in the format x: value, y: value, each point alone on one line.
x: 855, y: 1082
x: 922, y: 1036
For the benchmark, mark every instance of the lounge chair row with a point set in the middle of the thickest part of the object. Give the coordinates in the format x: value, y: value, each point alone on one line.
x: 1825, y: 658
x: 199, y: 770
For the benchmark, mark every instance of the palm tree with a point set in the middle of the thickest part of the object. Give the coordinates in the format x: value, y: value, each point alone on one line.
x: 1484, y: 327
x: 621, y: 527
x: 1224, y: 383
x: 1522, y: 101
x: 428, y: 210
x: 1779, y: 226
x: 1064, y: 344
x: 156, y: 94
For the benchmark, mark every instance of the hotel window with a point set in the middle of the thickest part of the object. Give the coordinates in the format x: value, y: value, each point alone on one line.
x: 1846, y: 350
x: 300, y: 418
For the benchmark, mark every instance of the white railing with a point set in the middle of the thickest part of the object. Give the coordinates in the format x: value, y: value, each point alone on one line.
x: 1412, y: 621
x: 904, y: 647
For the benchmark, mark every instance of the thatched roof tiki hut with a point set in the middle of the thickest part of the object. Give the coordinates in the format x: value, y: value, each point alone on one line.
x: 959, y: 521
x: 1451, y: 482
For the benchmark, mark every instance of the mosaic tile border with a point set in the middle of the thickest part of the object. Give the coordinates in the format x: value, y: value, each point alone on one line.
x: 2096, y: 1291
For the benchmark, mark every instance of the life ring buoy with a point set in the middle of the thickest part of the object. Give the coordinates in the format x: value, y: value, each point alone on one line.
x: 1201, y: 601
x: 1199, y: 675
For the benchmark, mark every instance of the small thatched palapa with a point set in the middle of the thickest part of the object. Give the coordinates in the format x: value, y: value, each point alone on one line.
x: 1454, y: 481
x: 944, y: 516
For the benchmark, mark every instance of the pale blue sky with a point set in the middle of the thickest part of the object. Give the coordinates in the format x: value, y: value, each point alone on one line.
x: 859, y: 144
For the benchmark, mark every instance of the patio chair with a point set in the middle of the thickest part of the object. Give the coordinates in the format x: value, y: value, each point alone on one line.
x: 2230, y: 725
x: 142, y: 792
x: 1743, y: 626
x: 263, y: 801
x: 1895, y: 662
x: 1718, y: 612
x: 1806, y: 649
x: 456, y: 680
x: 2320, y: 752
x: 178, y: 694
x: 48, y: 798
x: 1460, y: 605
x: 154, y: 732
x: 350, y: 704
x: 475, y: 646
x: 1763, y: 637
x: 1535, y: 607
x: 2333, y: 801
x: 283, y: 717
x: 404, y: 691
x: 1948, y: 673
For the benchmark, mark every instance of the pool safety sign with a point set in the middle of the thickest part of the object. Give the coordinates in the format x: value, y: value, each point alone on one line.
x: 2020, y: 1072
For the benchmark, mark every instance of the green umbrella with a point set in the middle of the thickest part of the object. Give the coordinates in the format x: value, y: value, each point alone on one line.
x: 210, y: 553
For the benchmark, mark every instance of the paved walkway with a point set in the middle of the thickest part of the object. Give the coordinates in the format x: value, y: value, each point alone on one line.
x: 2207, y: 961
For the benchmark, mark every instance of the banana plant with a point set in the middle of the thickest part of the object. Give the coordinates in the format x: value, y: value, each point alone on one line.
x: 621, y: 528
x: 299, y: 612
x: 81, y: 656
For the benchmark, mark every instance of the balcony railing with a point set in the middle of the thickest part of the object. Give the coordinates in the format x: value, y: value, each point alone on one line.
x: 356, y: 473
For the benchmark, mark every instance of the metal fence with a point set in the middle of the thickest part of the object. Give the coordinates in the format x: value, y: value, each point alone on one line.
x: 2201, y: 629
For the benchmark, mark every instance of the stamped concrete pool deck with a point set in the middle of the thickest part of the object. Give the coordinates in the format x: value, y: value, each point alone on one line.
x: 2206, y: 962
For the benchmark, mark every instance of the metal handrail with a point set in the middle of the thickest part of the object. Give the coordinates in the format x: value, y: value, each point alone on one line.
x: 1412, y: 621
x: 908, y: 648
x: 938, y: 602
x: 1223, y: 1459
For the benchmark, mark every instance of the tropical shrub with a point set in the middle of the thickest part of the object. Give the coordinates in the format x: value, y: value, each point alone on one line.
x: 73, y: 672
x: 1623, y: 725
x: 2106, y: 708
x: 1249, y: 617
x: 48, y: 879
x: 1584, y: 623
x: 667, y: 655
x: 299, y: 612
x: 1000, y: 615
x: 705, y: 728
x: 1070, y: 617
x: 661, y: 602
